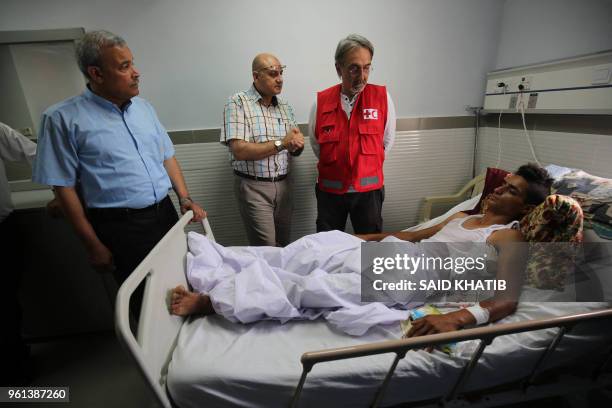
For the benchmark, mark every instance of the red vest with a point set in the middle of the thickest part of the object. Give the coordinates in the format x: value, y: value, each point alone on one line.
x: 351, y: 152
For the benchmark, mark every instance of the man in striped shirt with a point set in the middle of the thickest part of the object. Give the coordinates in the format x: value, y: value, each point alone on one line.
x: 262, y: 135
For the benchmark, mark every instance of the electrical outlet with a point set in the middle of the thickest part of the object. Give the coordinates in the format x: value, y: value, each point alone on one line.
x: 524, y: 83
x: 501, y: 86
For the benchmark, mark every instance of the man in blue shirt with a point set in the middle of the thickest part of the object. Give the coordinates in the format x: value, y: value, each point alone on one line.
x: 110, y: 160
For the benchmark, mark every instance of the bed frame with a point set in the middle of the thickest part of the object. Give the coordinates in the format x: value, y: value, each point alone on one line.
x: 157, y: 334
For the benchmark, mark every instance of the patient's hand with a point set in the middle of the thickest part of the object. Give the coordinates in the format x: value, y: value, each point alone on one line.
x: 433, y: 324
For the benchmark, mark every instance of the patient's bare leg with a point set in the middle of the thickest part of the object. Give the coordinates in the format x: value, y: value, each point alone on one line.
x: 186, y: 303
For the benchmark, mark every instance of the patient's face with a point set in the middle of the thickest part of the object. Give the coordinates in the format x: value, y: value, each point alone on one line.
x: 510, y: 197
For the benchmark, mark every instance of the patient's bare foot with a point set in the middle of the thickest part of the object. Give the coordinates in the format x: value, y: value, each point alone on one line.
x: 186, y: 303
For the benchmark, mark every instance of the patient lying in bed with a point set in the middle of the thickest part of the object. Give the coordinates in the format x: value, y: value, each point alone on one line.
x: 319, y: 275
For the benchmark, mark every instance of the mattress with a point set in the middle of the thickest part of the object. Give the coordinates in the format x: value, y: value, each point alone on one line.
x: 217, y: 363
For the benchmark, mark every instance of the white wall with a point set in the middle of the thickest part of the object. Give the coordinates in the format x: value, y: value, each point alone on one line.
x: 193, y: 54
x: 47, y: 75
x: 13, y: 106
x: 534, y: 31
x: 586, y: 151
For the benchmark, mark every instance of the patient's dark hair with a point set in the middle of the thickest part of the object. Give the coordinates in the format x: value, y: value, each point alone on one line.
x: 538, y: 180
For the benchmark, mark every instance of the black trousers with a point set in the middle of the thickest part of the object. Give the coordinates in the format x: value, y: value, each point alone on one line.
x: 365, y: 210
x: 14, y: 352
x: 131, y: 234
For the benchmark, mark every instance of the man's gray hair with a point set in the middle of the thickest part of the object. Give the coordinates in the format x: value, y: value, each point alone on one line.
x: 89, y: 48
x: 351, y: 42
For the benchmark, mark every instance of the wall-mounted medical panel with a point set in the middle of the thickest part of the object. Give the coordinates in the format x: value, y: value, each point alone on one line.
x: 580, y: 85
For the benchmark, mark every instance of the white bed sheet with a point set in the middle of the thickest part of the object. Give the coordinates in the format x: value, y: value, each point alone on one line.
x: 218, y: 363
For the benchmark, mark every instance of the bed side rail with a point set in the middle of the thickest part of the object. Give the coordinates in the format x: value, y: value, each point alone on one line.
x: 207, y: 229
x: 163, y: 268
x: 485, y: 334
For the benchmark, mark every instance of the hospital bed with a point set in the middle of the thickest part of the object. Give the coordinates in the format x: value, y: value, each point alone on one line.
x: 208, y: 362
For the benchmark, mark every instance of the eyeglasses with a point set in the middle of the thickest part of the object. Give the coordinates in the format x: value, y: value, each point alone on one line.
x: 355, y: 70
x: 273, y: 70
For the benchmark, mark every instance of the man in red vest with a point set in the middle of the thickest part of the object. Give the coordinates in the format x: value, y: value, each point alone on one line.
x: 352, y: 128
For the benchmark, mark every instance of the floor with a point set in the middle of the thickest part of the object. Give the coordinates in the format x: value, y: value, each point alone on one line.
x: 94, y: 366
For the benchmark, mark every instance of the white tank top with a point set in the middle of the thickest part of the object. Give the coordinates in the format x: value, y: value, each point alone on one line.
x: 455, y: 232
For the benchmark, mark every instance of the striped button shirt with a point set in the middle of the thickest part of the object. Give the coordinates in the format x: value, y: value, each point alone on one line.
x: 245, y: 117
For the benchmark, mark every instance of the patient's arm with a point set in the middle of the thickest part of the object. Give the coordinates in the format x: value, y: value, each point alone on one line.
x: 413, y: 236
x: 512, y: 258
x: 511, y: 261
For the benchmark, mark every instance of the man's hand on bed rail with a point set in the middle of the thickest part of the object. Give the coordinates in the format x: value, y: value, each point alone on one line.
x: 188, y: 204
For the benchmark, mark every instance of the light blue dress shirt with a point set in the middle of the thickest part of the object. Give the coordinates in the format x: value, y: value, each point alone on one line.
x: 116, y: 157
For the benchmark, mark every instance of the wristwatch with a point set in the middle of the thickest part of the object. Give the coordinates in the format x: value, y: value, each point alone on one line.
x: 278, y: 144
x: 185, y: 200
